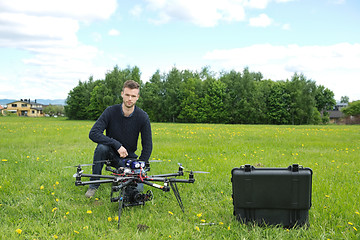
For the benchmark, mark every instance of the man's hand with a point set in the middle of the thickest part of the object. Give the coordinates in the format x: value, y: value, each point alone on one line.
x: 122, y: 152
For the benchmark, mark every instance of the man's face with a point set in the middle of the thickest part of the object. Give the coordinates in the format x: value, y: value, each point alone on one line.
x: 130, y: 96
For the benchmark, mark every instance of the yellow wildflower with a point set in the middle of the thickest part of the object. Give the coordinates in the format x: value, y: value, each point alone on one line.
x: 350, y: 223
x: 357, y: 213
x: 19, y: 231
x: 109, y: 219
x: 197, y: 228
x: 41, y: 187
x: 203, y: 220
x: 355, y: 228
x: 54, y: 209
x: 56, y: 237
x: 89, y: 211
x: 199, y: 214
x: 221, y: 223
x: 229, y: 227
x: 171, y: 213
x: 76, y: 232
x: 4, y: 160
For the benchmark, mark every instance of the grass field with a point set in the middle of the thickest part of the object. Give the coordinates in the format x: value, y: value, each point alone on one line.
x: 38, y: 198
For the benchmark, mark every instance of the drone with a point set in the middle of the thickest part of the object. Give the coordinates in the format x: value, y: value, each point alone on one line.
x: 125, y: 182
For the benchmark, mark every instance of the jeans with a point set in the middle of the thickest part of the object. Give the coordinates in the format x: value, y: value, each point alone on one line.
x: 105, y: 152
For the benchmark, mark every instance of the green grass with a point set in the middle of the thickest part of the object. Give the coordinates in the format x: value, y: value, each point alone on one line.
x: 38, y: 195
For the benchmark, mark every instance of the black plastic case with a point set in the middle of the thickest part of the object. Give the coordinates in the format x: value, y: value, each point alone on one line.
x: 272, y: 196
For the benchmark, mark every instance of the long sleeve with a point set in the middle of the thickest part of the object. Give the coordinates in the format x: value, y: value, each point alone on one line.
x: 146, y: 141
x: 96, y: 133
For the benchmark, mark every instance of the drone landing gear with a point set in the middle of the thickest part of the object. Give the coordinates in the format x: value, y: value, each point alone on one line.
x: 177, y: 195
x: 129, y: 196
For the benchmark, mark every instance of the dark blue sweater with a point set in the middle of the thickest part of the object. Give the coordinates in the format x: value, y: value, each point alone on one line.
x: 124, y: 131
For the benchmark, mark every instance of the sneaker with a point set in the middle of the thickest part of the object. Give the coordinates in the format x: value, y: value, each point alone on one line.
x: 90, y: 192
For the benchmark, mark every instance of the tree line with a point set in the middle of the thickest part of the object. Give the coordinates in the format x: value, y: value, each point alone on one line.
x: 206, y: 97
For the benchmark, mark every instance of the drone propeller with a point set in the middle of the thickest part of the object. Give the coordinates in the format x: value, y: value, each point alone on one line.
x: 197, y: 172
x: 80, y: 165
x: 180, y: 166
x: 155, y: 161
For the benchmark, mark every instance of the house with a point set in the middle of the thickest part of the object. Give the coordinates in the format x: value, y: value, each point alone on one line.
x: 336, y: 115
x: 25, y: 107
x: 2, y: 110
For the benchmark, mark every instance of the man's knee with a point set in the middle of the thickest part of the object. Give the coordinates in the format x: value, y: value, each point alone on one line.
x: 101, y: 152
x: 101, y: 148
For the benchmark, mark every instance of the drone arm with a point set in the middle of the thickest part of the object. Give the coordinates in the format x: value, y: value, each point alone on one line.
x: 168, y: 175
x: 80, y: 183
x: 98, y: 175
x: 164, y: 188
x: 190, y: 180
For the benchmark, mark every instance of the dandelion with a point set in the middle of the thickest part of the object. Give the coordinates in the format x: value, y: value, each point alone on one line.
x: 57, y: 183
x: 221, y: 223
x: 197, y: 228
x: 203, y: 220
x: 89, y: 212
x: 76, y: 232
x: 327, y: 196
x: 116, y: 218
x: 19, y: 231
x: 169, y: 236
x: 350, y: 223
x: 57, y: 200
x: 229, y: 227
x: 53, y: 193
x: 54, y: 209
x: 109, y: 219
x: 199, y: 214
x: 41, y: 187
x: 67, y: 213
x: 355, y: 212
x: 355, y: 228
x: 55, y: 236
x: 4, y: 160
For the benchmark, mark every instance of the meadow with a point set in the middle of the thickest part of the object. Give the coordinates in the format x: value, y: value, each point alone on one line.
x: 39, y: 200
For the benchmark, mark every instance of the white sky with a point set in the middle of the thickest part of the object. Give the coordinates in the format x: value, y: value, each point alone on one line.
x: 47, y: 46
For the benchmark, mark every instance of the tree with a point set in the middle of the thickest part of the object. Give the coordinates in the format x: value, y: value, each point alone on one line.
x: 325, y: 101
x: 344, y: 99
x: 278, y: 104
x: 353, y: 109
x: 153, y: 94
x: 302, y: 99
x: 78, y: 100
x: 54, y: 110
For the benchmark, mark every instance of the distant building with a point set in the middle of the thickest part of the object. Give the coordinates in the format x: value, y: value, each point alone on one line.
x: 2, y: 110
x: 25, y: 107
x: 336, y: 115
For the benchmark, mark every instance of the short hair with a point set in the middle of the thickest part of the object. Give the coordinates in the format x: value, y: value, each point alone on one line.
x: 131, y: 84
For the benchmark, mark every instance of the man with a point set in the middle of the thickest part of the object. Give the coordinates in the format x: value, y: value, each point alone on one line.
x: 123, y: 124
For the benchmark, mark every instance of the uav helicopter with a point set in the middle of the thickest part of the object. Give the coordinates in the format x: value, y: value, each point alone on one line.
x: 125, y: 181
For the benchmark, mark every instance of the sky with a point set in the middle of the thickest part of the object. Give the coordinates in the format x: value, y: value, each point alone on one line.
x: 48, y: 46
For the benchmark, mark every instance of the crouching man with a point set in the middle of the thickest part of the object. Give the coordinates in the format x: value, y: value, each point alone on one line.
x: 123, y: 124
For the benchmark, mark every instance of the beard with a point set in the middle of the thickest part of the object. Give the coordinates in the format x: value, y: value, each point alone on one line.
x: 129, y: 104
